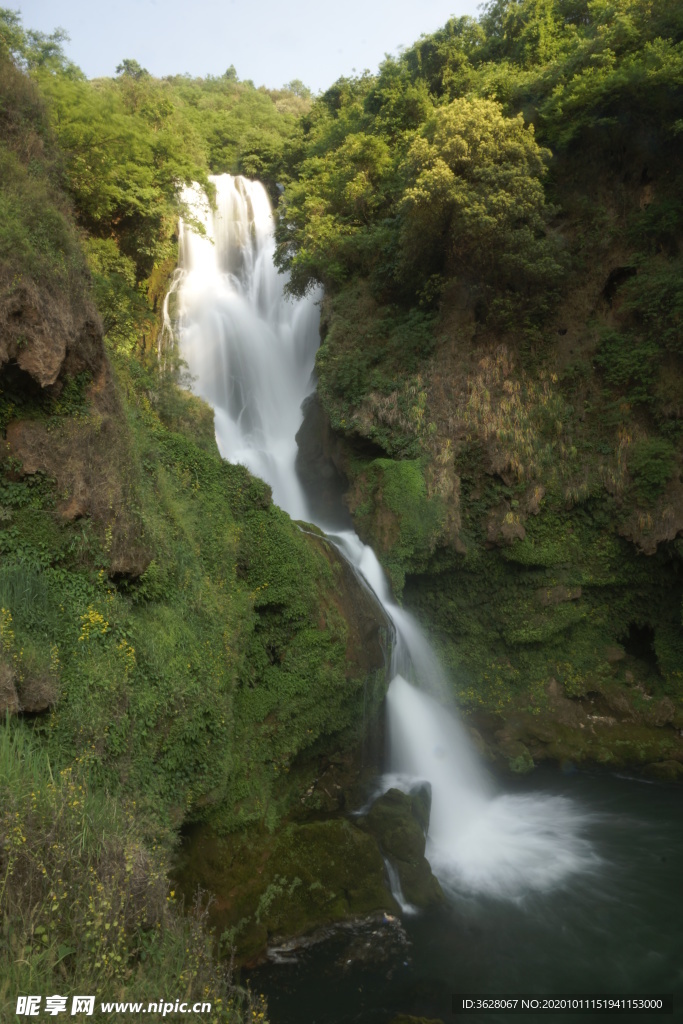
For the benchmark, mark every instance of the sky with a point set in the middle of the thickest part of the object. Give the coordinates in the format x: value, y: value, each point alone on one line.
x: 267, y: 41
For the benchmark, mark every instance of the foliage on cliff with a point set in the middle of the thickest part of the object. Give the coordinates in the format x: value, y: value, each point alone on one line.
x: 496, y: 218
x: 117, y: 151
x: 85, y: 900
x: 37, y: 237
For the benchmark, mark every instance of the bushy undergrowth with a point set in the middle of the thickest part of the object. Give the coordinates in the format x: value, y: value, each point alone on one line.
x: 85, y: 903
x: 38, y: 240
x: 196, y: 683
x: 185, y: 692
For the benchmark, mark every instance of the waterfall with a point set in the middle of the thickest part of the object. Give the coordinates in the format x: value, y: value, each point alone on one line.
x: 396, y: 890
x: 251, y: 353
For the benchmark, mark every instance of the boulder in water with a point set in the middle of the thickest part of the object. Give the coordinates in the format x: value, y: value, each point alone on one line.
x: 399, y: 821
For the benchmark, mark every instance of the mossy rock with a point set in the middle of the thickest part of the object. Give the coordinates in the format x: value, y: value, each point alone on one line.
x: 668, y: 771
x: 395, y: 513
x: 273, y: 887
x: 322, y: 872
x: 609, y: 742
x: 518, y: 757
x: 399, y: 823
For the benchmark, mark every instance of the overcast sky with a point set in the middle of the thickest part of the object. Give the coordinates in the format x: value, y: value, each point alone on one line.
x: 269, y: 42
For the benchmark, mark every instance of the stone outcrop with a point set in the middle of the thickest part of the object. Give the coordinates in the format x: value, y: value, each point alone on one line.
x: 46, y: 337
x: 399, y: 822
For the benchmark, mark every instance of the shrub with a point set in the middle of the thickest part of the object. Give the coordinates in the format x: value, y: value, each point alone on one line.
x: 651, y: 464
x: 85, y: 903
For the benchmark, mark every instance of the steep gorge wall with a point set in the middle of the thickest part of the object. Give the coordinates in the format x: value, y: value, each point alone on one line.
x: 525, y: 494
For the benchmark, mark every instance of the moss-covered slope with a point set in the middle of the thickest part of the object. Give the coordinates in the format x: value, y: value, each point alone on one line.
x: 172, y: 647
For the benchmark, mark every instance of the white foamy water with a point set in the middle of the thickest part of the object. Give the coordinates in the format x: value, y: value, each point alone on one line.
x: 480, y: 841
x: 252, y: 354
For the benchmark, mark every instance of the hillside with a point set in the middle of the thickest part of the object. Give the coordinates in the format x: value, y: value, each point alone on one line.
x: 496, y: 220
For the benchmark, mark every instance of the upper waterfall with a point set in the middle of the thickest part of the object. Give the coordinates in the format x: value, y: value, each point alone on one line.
x: 250, y: 352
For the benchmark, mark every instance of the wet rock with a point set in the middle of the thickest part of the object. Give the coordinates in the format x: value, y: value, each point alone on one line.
x: 377, y: 942
x: 372, y: 941
x: 399, y: 821
x: 369, y: 627
x: 421, y: 805
x: 317, y: 465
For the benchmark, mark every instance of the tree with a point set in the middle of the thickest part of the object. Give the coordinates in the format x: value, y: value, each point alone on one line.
x: 474, y: 204
x: 131, y: 69
x: 298, y: 88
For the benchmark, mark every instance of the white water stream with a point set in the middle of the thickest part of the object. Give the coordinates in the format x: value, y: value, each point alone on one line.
x: 252, y: 353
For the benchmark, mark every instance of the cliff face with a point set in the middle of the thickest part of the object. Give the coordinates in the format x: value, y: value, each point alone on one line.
x: 524, y: 491
x: 171, y: 619
x: 63, y: 419
x: 48, y: 338
x: 171, y: 611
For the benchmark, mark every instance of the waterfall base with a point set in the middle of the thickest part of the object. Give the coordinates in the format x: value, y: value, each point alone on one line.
x: 502, y: 845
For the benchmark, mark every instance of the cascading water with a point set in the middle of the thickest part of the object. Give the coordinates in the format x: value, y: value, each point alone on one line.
x: 252, y: 353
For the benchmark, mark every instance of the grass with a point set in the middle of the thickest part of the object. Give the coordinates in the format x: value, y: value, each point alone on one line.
x: 85, y: 903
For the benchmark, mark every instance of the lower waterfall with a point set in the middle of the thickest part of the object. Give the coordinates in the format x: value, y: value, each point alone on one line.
x: 251, y: 353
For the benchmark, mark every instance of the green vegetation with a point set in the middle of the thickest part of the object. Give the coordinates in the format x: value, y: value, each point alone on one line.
x: 565, y: 599
x: 309, y: 876
x: 85, y: 897
x: 37, y: 237
x: 461, y: 194
x: 495, y: 217
x: 391, y: 503
x: 114, y: 153
x: 175, y: 646
x: 193, y: 681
